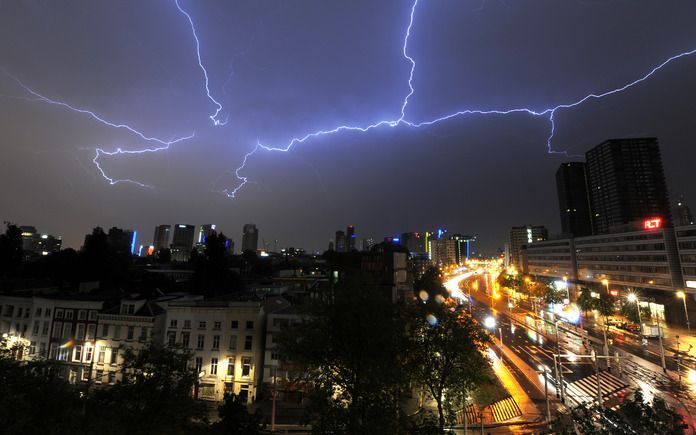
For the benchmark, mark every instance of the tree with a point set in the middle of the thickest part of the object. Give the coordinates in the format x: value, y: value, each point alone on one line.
x: 349, y: 351
x: 636, y: 416
x: 10, y: 249
x: 235, y: 418
x: 630, y: 311
x: 155, y: 399
x: 33, y: 399
x: 585, y: 301
x: 445, y: 355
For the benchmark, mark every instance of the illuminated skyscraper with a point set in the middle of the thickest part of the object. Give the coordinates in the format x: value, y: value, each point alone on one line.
x: 626, y: 184
x: 205, y: 231
x: 161, y: 238
x: 182, y: 242
x: 350, y: 238
x: 340, y: 241
x: 573, y: 200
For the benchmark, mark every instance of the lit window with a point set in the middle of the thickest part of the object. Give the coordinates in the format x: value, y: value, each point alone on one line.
x: 213, y: 366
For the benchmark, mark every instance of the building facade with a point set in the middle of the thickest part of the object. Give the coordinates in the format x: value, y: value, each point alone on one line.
x: 626, y: 184
x: 226, y: 338
x: 524, y: 235
x: 250, y: 238
x: 573, y: 200
x: 161, y: 238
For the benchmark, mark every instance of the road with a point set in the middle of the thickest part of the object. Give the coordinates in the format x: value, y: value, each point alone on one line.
x: 535, y: 341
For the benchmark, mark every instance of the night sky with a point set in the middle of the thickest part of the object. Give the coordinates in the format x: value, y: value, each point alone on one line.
x: 285, y: 68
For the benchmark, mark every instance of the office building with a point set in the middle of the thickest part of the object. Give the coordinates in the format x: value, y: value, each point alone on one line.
x: 573, y: 200
x: 203, y: 233
x: 35, y: 245
x: 686, y: 245
x: 350, y: 238
x: 250, y: 238
x: 462, y: 247
x: 626, y: 184
x: 524, y: 235
x: 340, y: 241
x: 414, y: 242
x: 683, y: 216
x: 182, y: 242
x: 443, y: 251
x: 161, y: 237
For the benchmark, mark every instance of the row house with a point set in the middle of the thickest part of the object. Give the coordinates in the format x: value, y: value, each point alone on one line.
x: 226, y: 338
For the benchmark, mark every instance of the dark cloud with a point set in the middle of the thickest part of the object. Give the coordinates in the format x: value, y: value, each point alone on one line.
x: 285, y: 68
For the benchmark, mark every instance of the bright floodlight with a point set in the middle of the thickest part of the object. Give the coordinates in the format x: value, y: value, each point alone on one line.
x: 489, y: 322
x: 680, y: 294
x: 631, y: 297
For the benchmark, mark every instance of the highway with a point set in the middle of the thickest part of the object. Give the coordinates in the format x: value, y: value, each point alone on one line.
x: 533, y: 342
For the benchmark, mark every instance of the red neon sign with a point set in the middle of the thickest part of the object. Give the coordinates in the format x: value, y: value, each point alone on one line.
x: 653, y: 223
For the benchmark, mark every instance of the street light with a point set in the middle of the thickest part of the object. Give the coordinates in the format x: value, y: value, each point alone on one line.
x: 682, y: 295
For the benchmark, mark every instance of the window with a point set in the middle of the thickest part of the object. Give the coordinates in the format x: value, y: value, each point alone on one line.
x: 247, y: 342
x: 72, y: 377
x: 213, y: 366
x: 216, y: 342
x: 187, y: 324
x: 44, y: 330
x: 100, y: 376
x: 250, y: 324
x: 82, y: 315
x: 131, y: 333
x: 57, y: 328
x: 20, y: 311
x: 37, y: 313
x: 246, y: 366
x: 59, y: 314
x: 90, y: 331
x: 185, y: 339
x: 199, y: 364
x: 127, y: 308
x: 89, y: 350
x: 230, y: 366
x: 105, y: 330
x: 233, y: 342
x: 217, y: 325
x: 234, y: 324
x: 114, y: 356
x: 92, y: 315
x: 201, y: 342
x: 143, y: 334
x: 69, y: 314
x: 42, y: 349
x: 37, y: 325
x: 47, y: 312
x: 244, y: 394
x: 26, y: 313
x: 172, y: 323
x: 101, y: 354
x: 77, y: 353
x: 67, y: 330
x: 80, y: 335
x: 117, y: 332
x: 171, y: 338
x: 201, y: 324
x: 112, y: 377
x: 275, y: 356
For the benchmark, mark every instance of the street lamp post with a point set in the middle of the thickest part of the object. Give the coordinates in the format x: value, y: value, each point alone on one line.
x: 633, y: 298
x: 682, y: 295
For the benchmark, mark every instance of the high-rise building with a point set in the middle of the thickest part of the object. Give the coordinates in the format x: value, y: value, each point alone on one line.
x: 524, y: 235
x: 414, y: 242
x: 462, y: 247
x: 121, y: 241
x: 684, y: 215
x: 36, y: 245
x: 182, y: 241
x: 626, y: 184
x: 250, y: 238
x: 161, y: 237
x: 368, y: 243
x: 443, y: 251
x: 340, y: 241
x: 350, y: 238
x: 205, y: 231
x: 573, y: 200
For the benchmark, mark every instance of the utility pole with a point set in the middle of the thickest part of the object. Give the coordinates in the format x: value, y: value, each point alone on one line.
x: 599, y: 386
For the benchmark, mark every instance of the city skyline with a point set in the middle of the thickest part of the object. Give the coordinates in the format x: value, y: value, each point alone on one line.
x: 350, y: 177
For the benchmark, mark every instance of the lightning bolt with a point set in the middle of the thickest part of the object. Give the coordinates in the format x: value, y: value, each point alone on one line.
x: 214, y: 116
x: 243, y: 180
x: 547, y: 113
x: 164, y: 144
